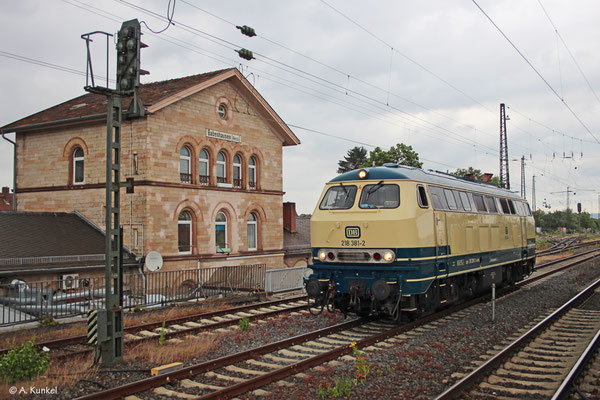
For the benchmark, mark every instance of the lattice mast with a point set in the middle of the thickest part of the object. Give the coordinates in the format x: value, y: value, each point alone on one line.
x: 504, y: 178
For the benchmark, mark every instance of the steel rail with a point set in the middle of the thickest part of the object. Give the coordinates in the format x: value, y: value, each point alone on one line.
x: 568, y: 383
x: 493, y: 363
x: 149, y: 383
x: 82, y: 339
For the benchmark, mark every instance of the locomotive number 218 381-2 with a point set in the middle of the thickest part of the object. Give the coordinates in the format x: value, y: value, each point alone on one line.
x: 352, y: 242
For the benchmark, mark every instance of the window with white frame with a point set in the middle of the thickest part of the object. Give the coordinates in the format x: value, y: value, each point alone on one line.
x: 78, y: 161
x: 185, y: 165
x: 221, y: 231
x: 203, y: 168
x: 184, y: 232
x: 251, y: 229
x: 237, y: 171
x: 221, y: 168
x: 252, y: 173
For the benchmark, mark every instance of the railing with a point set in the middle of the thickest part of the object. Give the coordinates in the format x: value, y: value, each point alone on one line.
x: 237, y: 183
x: 185, y: 178
x: 51, y: 259
x: 284, y: 279
x: 252, y: 185
x: 26, y: 302
x: 203, y: 180
x: 221, y: 179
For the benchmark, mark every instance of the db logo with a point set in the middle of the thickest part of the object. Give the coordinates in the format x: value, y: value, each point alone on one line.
x: 352, y: 232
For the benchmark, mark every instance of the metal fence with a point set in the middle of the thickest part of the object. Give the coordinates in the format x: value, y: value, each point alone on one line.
x: 283, y: 279
x: 25, y: 302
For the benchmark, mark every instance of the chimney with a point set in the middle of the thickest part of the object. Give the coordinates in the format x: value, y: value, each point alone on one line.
x: 289, y: 217
x: 5, y: 192
x: 486, y: 177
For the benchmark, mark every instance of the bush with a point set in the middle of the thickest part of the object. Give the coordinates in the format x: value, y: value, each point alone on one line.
x: 244, y: 324
x: 23, y: 363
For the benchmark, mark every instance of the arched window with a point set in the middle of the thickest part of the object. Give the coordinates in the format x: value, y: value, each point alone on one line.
x: 221, y: 168
x: 204, y: 168
x: 252, y: 173
x: 221, y: 232
x: 237, y: 171
x: 251, y: 229
x: 184, y: 232
x: 185, y: 172
x: 78, y: 158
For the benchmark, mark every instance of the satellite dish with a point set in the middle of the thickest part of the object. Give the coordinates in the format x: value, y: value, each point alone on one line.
x: 154, y: 261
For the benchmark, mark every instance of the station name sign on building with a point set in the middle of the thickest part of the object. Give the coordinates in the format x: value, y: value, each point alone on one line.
x: 230, y: 137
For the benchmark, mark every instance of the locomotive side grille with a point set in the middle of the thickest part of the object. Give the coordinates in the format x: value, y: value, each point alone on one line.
x: 354, y: 256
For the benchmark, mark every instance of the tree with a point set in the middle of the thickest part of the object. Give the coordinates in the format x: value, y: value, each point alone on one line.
x: 401, y: 154
x: 463, y: 173
x: 356, y: 157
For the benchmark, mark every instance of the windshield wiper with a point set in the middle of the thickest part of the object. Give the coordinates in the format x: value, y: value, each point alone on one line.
x: 374, y: 189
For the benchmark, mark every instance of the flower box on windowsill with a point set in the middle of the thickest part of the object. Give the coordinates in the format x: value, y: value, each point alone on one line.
x: 225, y: 250
x: 225, y: 185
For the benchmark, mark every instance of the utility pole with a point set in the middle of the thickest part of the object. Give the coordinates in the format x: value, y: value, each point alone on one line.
x: 110, y: 318
x: 523, y: 193
x: 533, y: 193
x: 504, y: 178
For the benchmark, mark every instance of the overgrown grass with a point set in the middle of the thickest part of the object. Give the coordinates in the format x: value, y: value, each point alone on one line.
x: 42, y: 334
x: 192, y: 346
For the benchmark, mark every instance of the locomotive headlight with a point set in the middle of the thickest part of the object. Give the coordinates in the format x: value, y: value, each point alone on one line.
x: 322, y: 255
x: 388, y: 256
x: 362, y: 174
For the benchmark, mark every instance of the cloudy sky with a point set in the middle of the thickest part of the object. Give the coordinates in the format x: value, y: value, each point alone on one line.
x: 430, y: 74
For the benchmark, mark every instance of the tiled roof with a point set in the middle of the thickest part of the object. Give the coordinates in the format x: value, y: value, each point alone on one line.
x: 92, y: 104
x: 300, y: 240
x: 47, y: 234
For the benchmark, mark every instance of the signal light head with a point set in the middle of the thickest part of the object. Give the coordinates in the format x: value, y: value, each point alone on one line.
x: 388, y: 256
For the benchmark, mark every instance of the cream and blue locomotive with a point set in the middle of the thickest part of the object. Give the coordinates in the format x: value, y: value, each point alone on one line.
x: 394, y: 240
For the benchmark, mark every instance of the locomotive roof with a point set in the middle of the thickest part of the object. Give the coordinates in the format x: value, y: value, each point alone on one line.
x: 396, y: 171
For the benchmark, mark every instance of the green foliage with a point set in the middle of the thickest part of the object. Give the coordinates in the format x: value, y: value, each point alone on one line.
x: 550, y: 222
x: 362, y: 367
x: 23, y: 363
x: 342, y: 388
x: 463, y: 173
x: 244, y: 324
x: 47, y: 322
x: 401, y: 154
x: 354, y: 159
x: 163, y: 334
x: 357, y: 157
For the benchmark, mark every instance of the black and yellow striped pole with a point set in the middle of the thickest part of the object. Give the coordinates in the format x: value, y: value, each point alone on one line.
x: 92, y: 332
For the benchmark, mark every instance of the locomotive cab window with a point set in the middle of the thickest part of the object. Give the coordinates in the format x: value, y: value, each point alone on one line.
x: 338, y: 198
x: 422, y: 197
x: 380, y: 196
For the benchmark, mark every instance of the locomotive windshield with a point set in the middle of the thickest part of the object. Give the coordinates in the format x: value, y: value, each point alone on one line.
x: 380, y: 196
x: 338, y: 198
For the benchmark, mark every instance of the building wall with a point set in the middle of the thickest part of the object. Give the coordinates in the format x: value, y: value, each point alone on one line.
x: 44, y: 170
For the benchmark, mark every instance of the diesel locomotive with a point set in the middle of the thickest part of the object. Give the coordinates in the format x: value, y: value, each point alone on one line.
x: 398, y: 240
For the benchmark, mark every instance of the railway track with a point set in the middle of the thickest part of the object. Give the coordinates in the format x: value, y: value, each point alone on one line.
x: 537, y: 363
x: 177, y: 327
x: 255, y: 368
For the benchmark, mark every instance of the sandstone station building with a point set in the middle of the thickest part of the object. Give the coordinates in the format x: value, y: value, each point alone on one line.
x: 206, y: 160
